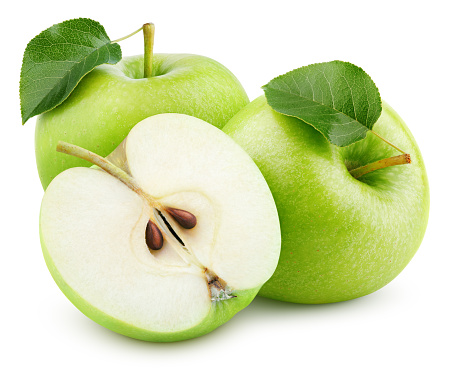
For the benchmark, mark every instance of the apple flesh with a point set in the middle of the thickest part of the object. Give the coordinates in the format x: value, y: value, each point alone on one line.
x: 111, y: 99
x: 342, y: 237
x: 93, y: 232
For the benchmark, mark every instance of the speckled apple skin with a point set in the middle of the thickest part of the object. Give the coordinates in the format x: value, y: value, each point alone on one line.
x: 342, y: 238
x: 111, y: 99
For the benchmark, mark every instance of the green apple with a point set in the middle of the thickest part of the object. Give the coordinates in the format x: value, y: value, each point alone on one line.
x: 111, y: 99
x: 177, y: 238
x: 342, y: 237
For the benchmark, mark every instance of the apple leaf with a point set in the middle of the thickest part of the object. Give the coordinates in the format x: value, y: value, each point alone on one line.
x: 58, y: 58
x: 337, y: 98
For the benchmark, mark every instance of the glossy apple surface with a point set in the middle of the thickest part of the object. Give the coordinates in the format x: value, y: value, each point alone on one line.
x: 342, y: 238
x: 111, y: 99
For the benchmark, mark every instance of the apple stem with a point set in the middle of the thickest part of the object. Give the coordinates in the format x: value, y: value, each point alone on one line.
x: 157, y: 209
x: 387, y: 142
x: 108, y: 167
x: 149, y: 33
x: 391, y: 161
x: 127, y: 36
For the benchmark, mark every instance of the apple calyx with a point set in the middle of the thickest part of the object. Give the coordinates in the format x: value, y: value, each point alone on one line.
x: 217, y: 287
x: 391, y: 161
x: 159, y: 228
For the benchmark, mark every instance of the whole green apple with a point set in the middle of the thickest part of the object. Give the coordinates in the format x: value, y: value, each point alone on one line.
x: 342, y: 237
x: 111, y: 99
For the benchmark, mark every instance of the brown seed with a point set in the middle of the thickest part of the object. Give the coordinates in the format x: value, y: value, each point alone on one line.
x: 184, y: 218
x: 154, y: 238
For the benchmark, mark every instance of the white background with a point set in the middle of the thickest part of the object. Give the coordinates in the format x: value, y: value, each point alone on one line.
x: 406, y: 328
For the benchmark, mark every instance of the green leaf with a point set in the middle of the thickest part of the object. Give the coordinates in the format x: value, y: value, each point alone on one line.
x: 339, y: 99
x: 58, y: 58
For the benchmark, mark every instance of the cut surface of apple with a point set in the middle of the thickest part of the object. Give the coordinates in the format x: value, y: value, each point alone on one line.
x: 93, y: 232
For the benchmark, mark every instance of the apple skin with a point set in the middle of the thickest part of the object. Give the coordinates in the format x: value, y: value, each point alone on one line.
x: 220, y: 313
x: 111, y: 99
x: 342, y: 237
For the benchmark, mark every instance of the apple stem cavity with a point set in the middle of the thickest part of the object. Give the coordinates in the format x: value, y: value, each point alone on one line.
x: 149, y: 33
x: 387, y: 142
x: 391, y: 161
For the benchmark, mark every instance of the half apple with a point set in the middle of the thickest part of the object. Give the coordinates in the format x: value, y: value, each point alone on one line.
x: 176, y: 236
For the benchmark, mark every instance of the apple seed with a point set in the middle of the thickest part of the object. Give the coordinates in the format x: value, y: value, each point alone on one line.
x: 154, y: 238
x: 184, y: 218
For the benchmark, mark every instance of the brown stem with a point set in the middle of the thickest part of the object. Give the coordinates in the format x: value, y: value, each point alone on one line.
x: 149, y: 32
x: 391, y: 161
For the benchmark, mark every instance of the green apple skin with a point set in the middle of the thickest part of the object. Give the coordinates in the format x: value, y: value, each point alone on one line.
x: 220, y: 313
x: 111, y: 99
x: 342, y: 238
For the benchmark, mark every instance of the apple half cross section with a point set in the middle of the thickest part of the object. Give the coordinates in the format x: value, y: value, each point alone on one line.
x: 93, y: 232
